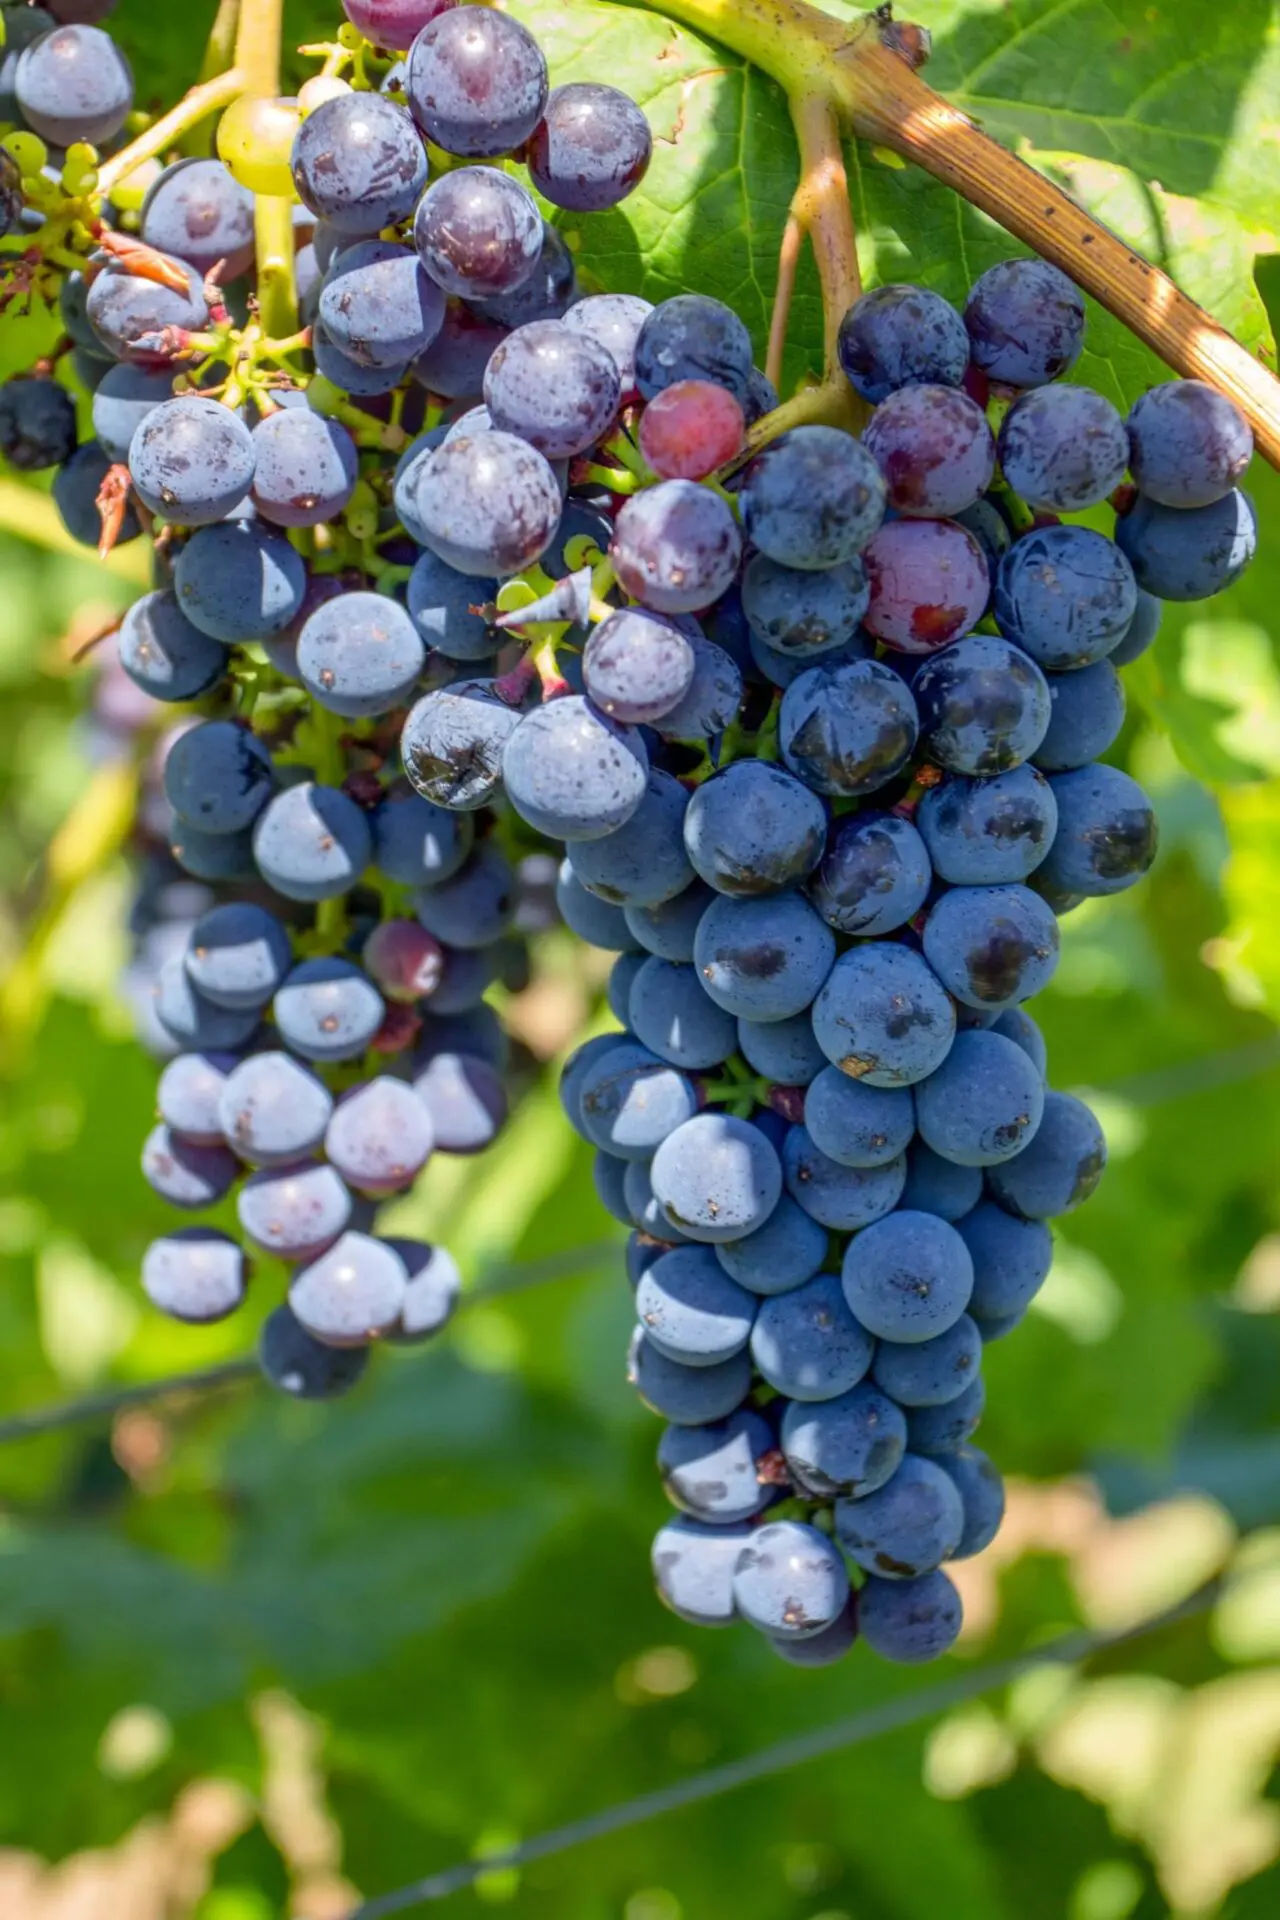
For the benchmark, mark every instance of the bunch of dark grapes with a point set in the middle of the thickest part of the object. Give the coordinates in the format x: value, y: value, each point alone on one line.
x: 814, y: 720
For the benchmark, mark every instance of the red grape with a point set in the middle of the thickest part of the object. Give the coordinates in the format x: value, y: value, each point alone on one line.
x: 393, y: 23
x: 929, y: 583
x: 690, y: 429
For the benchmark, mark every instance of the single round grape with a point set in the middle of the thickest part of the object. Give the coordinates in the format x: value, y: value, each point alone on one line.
x: 939, y: 1430
x: 716, y: 1178
x: 784, y: 1051
x: 977, y: 1481
x: 641, y: 1208
x: 984, y: 705
x: 303, y: 1366
x: 902, y: 336
x: 874, y: 876
x: 693, y: 1570
x: 360, y: 655
x: 1025, y: 321
x: 676, y: 546
x: 687, y: 1396
x: 934, y: 448
x: 74, y: 84
x: 239, y: 582
x: 572, y: 773
x: 690, y: 429
x: 378, y: 307
x: 218, y: 776
x: 76, y: 486
x: 379, y: 1137
x: 306, y: 468
x: 418, y: 844
x: 1140, y: 633
x: 1191, y: 444
x: 790, y: 1581
x: 857, y: 1124
x: 295, y: 1211
x: 478, y: 232
x: 670, y: 929
x: 197, y: 211
x: 807, y: 1344
x: 754, y: 829
x: 1065, y: 595
x: 124, y: 397
x: 192, y: 460
x: 1107, y: 834
x: 803, y: 614
x: 714, y: 1472
x: 272, y: 1110
x: 358, y: 163
x: 692, y: 337
x: 851, y: 1444
x: 352, y: 1293
x: 553, y: 386
x: 908, y: 1277
x: 238, y: 954
x: 184, y: 1173
x: 465, y: 1100
x: 404, y: 961
x: 591, y: 148
x: 939, y: 1186
x: 327, y: 1009
x: 1011, y: 1261
x: 847, y: 730
x: 594, y: 920
x: 883, y: 1016
x: 352, y: 377
x: 476, y: 82
x: 985, y: 832
x: 1189, y: 553
x: 672, y: 1016
x: 983, y: 1104
x: 636, y: 665
x: 1061, y: 1167
x: 782, y: 1254
x: 312, y: 842
x: 691, y: 1311
x: 1088, y: 713
x: 453, y: 742
x: 929, y: 584
x: 930, y: 1373
x: 625, y: 1100
x: 37, y: 423
x: 840, y: 1198
x: 193, y: 1022
x: 488, y: 503
x: 141, y: 320
x: 812, y: 498
x: 1063, y: 448
x: 188, y: 1093
x: 474, y: 906
x: 164, y: 654
x: 195, y: 1274
x: 614, y: 320
x: 713, y: 698
x: 992, y: 946
x: 906, y: 1527
x: 910, y: 1621
x: 763, y: 959
x: 255, y: 139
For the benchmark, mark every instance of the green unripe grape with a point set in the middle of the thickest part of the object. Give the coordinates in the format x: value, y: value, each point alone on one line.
x: 128, y: 194
x: 29, y: 153
x: 255, y: 140
x: 80, y: 168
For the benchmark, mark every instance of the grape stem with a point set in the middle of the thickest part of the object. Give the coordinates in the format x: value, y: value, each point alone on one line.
x: 208, y: 97
x: 257, y: 58
x: 859, y: 71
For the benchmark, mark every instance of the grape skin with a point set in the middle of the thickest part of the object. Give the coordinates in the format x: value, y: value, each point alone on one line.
x: 378, y: 307
x: 847, y: 730
x: 934, y: 448
x: 848, y: 1445
x: 813, y: 498
x: 614, y: 320
x: 358, y: 163
x: 305, y: 468
x: 763, y: 959
x: 478, y: 232
x: 686, y: 1396
x: 554, y: 387
x: 199, y: 213
x: 476, y: 82
x: 714, y: 694
x: 790, y: 1581
x: 192, y: 460
x: 857, y: 1124
x: 272, y: 1110
x: 37, y: 423
x: 295, y: 1211
x: 788, y: 1249
x: 1191, y: 445
x: 379, y: 1137
x: 416, y: 843
x: 874, y: 876
x: 901, y: 336
x: 488, y: 504
x: 753, y: 829
x: 131, y: 316
x: 930, y: 1373
x: 453, y: 742
x: 692, y: 337
x: 394, y: 24
x: 690, y: 429
x: 124, y: 397
x: 195, y: 1274
x: 929, y: 584
x: 360, y: 655
x: 693, y: 1570
x: 573, y: 773
x: 716, y: 1178
x: 218, y: 777
x: 454, y: 363
x: 939, y: 1186
x: 676, y: 547
x: 591, y: 148
x: 1065, y: 595
x: 981, y: 1492
x: 636, y: 665
x: 1189, y: 553
x: 300, y: 1365
x: 842, y: 1199
x: 643, y: 862
x: 984, y: 832
x: 352, y: 1293
x: 712, y: 1472
x: 1011, y: 1260
x: 164, y: 654
x: 1063, y: 448
x: 669, y: 1013
x: 74, y: 84
x: 1088, y: 713
x: 1025, y: 321
x: 238, y: 954
x: 184, y: 1173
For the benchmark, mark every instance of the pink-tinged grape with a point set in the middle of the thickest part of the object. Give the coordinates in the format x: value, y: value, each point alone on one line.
x: 929, y: 584
x: 404, y: 959
x: 393, y: 23
x: 689, y: 430
x: 676, y: 547
x: 934, y: 448
x: 380, y: 1136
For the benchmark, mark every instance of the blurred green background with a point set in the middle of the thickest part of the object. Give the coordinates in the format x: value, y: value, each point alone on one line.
x: 257, y: 1659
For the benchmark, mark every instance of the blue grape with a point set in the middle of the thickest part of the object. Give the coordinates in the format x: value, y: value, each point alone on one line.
x: 37, y: 423
x: 302, y: 1366
x: 1017, y: 1025
x: 554, y: 386
x: 929, y: 1373
x: 187, y: 1096
x: 992, y: 946
x: 637, y: 666
x: 272, y: 1110
x: 910, y: 1621
x: 687, y: 1396
x: 857, y: 1124
x: 476, y: 82
x: 753, y: 829
x: 1011, y: 1261
x: 327, y: 1009
x: 453, y: 365
x: 431, y: 1294
x: 138, y: 319
x: 939, y: 1186
x: 594, y: 920
x: 197, y: 211
x: 465, y: 1102
x: 851, y: 1444
x: 477, y: 1030
x: 984, y: 832
x: 713, y: 1472
x: 475, y: 905
x: 353, y: 377
x: 941, y: 1430
x: 75, y: 494
x: 306, y: 467
x: 625, y: 967
x: 379, y: 1136
x: 984, y: 705
x: 164, y: 654
x: 716, y: 1177
x: 643, y: 1210
x: 790, y: 1581
x: 989, y: 528
x: 194, y: 1274
x: 983, y: 1104
x: 590, y: 149
x: 883, y: 1016
x: 1107, y: 832
x: 821, y: 1649
x: 691, y: 1311
x: 312, y: 842
x: 1088, y: 713
x: 1060, y: 1168
x: 981, y: 1491
x: 780, y: 669
x: 548, y: 293
x: 804, y: 613
x: 607, y: 1176
x: 466, y: 979
x: 478, y: 231
x: 218, y: 777
x: 692, y: 337
x: 642, y: 862
x: 184, y: 1173
x: 813, y: 498
x: 693, y: 1567
x: 838, y: 1197
x: 676, y: 546
x: 124, y: 398
x: 238, y: 954
x: 629, y: 1101
x: 907, y: 1526
x: 74, y: 84
x: 443, y: 605
x: 614, y: 320
x: 350, y: 1294
x: 672, y: 1016
x: 1189, y: 553
x: 1191, y: 444
x: 572, y: 773
x: 418, y: 844
x: 488, y: 504
x: 902, y: 336
x: 934, y: 448
x: 359, y: 655
x: 377, y: 306
x: 874, y: 876
x: 847, y: 730
x: 193, y: 1022
x: 670, y: 929
x: 807, y: 1344
x: 1140, y: 633
x: 763, y: 959
x: 713, y: 698
x: 784, y: 1051
x: 1063, y: 448
x: 453, y: 742
x: 1025, y: 322
x: 783, y: 1253
x: 575, y: 1073
x: 1065, y: 595
x: 294, y: 1211
x: 358, y: 163
x: 239, y: 582
x: 908, y: 1277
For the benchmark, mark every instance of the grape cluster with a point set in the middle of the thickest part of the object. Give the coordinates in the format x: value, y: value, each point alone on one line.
x: 811, y: 724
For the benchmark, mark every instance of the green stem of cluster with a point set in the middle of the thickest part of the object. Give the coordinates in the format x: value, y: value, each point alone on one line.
x: 209, y: 97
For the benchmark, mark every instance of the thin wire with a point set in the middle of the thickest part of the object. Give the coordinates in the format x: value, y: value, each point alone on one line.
x: 891, y: 1717
x: 516, y: 1277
